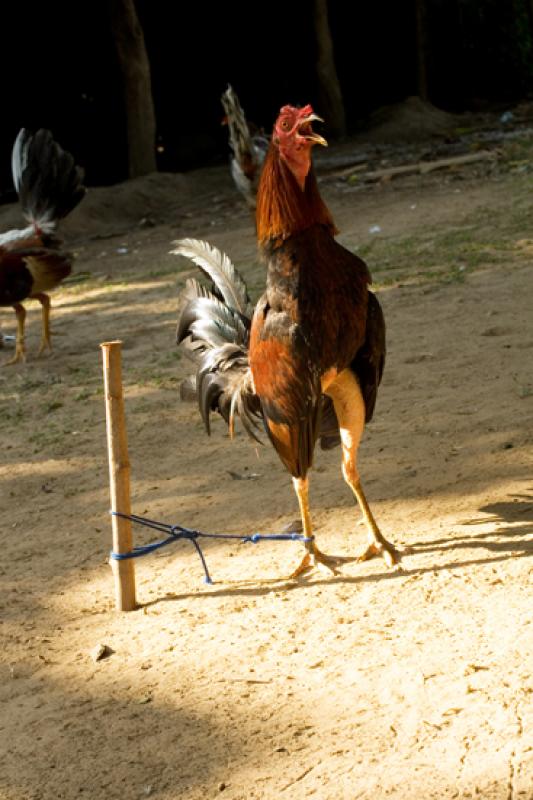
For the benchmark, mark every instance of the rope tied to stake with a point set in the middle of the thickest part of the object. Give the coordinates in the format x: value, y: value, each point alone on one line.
x: 178, y: 532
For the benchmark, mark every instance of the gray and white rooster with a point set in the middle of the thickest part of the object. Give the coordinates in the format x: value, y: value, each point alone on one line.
x: 248, y: 150
x: 49, y: 186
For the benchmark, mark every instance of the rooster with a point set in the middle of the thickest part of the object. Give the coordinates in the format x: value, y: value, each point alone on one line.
x: 49, y: 186
x: 308, y: 363
x: 248, y: 150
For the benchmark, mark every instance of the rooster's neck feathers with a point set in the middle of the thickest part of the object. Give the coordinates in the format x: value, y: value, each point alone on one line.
x: 283, y: 209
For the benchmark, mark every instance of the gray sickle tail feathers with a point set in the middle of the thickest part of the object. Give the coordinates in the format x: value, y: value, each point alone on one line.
x: 213, y: 331
x: 47, y: 180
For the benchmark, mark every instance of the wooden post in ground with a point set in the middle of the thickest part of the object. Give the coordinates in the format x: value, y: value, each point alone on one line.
x: 119, y: 475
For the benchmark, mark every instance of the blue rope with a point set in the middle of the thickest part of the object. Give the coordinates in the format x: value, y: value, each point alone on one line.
x: 177, y: 532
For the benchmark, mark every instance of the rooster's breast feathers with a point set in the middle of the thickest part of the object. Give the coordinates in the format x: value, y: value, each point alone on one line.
x: 311, y: 319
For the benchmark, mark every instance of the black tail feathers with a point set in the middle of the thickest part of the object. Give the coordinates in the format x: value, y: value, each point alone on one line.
x: 48, y: 181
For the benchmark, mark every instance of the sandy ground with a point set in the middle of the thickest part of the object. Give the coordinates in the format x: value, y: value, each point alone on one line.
x: 370, y: 684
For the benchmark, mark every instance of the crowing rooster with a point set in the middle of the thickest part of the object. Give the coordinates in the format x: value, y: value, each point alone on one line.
x: 248, y: 150
x: 309, y: 361
x: 49, y: 186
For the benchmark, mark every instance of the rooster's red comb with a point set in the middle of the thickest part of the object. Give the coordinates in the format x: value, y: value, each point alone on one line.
x: 302, y: 112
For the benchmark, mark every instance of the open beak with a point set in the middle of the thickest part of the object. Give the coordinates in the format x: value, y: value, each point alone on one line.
x: 316, y: 139
x: 308, y: 133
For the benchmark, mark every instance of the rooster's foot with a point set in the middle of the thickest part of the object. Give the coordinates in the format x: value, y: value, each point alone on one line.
x: 391, y: 555
x: 315, y: 559
x: 19, y: 355
x: 43, y: 347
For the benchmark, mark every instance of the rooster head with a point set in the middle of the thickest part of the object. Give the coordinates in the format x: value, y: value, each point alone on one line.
x: 294, y: 138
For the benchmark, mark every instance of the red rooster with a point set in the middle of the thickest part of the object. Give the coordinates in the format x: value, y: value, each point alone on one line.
x: 310, y: 361
x: 49, y: 186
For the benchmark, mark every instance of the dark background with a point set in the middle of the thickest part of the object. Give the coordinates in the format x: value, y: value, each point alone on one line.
x: 60, y: 69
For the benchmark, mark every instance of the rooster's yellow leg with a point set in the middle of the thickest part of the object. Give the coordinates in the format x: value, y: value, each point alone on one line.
x: 313, y: 557
x: 20, y: 351
x: 378, y: 545
x: 44, y: 300
x: 350, y: 409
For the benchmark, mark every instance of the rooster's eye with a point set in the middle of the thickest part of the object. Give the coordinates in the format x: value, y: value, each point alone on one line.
x: 285, y: 125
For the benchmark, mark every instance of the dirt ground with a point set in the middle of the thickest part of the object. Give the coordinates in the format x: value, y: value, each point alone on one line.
x: 374, y: 683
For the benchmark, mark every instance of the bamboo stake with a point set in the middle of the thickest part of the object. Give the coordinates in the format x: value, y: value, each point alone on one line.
x: 119, y: 475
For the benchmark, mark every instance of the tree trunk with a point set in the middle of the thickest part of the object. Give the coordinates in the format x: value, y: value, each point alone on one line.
x: 329, y: 90
x: 422, y: 48
x: 135, y: 68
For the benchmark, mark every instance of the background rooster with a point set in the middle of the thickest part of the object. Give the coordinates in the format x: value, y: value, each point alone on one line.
x: 309, y: 362
x: 248, y: 149
x: 49, y: 186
